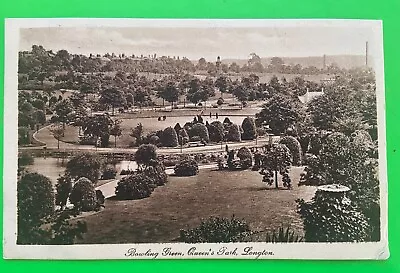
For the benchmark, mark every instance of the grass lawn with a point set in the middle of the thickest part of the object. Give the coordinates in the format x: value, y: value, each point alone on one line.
x: 184, y: 202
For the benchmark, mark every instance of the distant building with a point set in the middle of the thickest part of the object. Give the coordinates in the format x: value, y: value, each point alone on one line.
x: 307, y: 97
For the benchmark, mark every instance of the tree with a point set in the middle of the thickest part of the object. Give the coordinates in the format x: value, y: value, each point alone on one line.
x: 112, y: 97
x: 216, y: 131
x: 241, y: 93
x: 222, y: 84
x: 170, y: 138
x: 347, y: 160
x: 63, y: 110
x: 144, y: 155
x: 246, y: 158
x: 249, y: 129
x: 84, y: 165
x: 233, y: 133
x: 276, y: 159
x: 295, y: 148
x: 35, y: 203
x: 280, y: 113
x: 57, y: 132
x: 202, y: 64
x: 137, y: 133
x: 136, y: 186
x: 169, y: 93
x: 277, y: 64
x: 116, y: 130
x: 200, y: 130
x: 63, y: 189
x: 83, y: 195
x: 99, y: 126
x: 254, y: 59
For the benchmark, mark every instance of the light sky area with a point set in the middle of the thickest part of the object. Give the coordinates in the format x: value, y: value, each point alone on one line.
x: 195, y: 43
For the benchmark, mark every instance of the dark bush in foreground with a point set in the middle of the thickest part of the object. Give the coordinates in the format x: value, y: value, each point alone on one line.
x: 246, y: 157
x: 83, y: 195
x: 84, y: 165
x: 216, y: 130
x: 330, y: 217
x: 156, y: 171
x: 283, y: 235
x: 217, y: 230
x: 186, y: 168
x: 295, y: 148
x: 109, y: 173
x: 25, y: 159
x: 35, y: 202
x: 136, y: 186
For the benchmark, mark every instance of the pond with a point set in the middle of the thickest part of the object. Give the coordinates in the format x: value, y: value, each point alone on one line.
x: 53, y: 168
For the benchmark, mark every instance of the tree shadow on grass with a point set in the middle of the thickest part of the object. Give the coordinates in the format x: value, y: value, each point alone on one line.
x: 264, y: 189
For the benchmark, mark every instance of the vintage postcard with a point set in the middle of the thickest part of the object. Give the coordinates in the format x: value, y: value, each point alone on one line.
x: 194, y: 139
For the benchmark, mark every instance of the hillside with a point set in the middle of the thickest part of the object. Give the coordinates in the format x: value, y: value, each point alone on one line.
x: 343, y: 61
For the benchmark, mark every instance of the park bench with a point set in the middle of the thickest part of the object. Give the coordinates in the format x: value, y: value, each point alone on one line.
x: 196, y: 143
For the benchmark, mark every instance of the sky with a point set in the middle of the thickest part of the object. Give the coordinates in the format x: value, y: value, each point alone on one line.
x: 194, y: 43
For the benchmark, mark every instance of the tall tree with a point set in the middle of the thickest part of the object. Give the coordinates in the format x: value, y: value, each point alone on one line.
x: 112, y: 97
x: 280, y: 113
x: 99, y: 126
x: 116, y: 131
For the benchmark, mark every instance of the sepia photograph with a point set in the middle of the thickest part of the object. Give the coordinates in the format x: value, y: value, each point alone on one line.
x: 194, y: 139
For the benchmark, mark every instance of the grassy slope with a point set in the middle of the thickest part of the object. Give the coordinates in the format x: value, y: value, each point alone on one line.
x: 183, y: 202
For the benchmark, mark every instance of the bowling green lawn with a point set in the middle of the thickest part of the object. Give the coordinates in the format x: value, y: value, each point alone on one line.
x: 184, y: 201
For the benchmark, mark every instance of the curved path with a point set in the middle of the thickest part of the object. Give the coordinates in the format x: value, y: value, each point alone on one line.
x: 45, y: 136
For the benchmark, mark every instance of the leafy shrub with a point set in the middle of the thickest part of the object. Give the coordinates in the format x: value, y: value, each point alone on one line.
x: 183, y: 137
x: 217, y: 230
x: 216, y: 130
x: 145, y: 154
x: 246, y: 158
x: 23, y: 135
x: 227, y: 121
x: 84, y: 165
x: 276, y: 160
x: 25, y: 159
x: 233, y: 133
x: 261, y: 131
x: 63, y: 189
x: 249, y: 129
x: 109, y: 173
x: 177, y: 128
x: 330, y: 217
x: 200, y: 130
x: 283, y: 235
x: 135, y: 186
x: 295, y: 148
x: 83, y: 195
x: 40, y: 117
x: 35, y: 202
x: 186, y: 167
x: 220, y: 101
x: 156, y: 171
x: 155, y: 140
x: 170, y: 138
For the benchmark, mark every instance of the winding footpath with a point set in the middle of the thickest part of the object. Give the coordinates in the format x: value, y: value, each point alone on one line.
x: 45, y: 136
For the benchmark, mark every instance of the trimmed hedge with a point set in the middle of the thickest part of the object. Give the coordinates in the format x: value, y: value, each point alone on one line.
x: 200, y: 130
x: 246, y: 157
x: 233, y: 133
x: 216, y: 131
x: 186, y: 167
x: 136, y: 186
x: 170, y: 138
x: 249, y: 129
x: 295, y: 149
x: 83, y: 195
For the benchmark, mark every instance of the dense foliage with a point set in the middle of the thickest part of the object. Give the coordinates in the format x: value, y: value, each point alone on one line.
x: 145, y: 154
x: 187, y: 167
x: 135, y: 186
x: 200, y: 130
x: 84, y: 165
x: 217, y: 230
x: 295, y: 148
x: 249, y: 129
x: 246, y: 157
x: 331, y: 217
x: 169, y: 137
x: 233, y: 133
x: 276, y: 159
x: 83, y: 195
